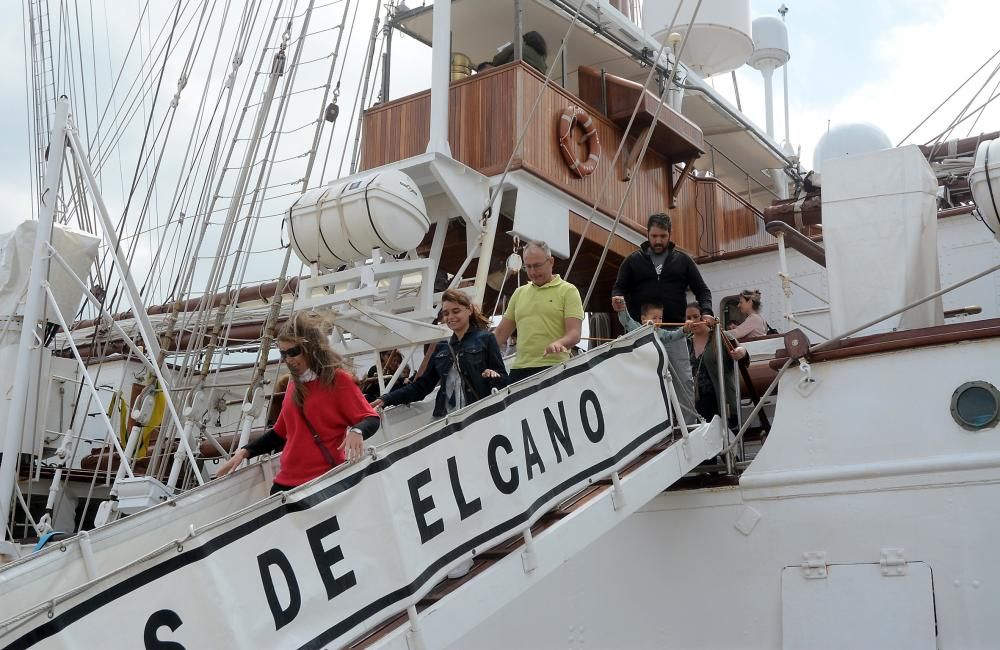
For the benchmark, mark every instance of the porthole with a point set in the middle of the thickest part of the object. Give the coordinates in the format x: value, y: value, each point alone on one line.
x: 975, y: 405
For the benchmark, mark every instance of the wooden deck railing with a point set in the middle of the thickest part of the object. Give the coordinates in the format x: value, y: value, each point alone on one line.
x: 712, y: 220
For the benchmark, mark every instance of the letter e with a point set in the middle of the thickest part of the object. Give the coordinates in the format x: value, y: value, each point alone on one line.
x: 421, y: 506
x: 325, y: 559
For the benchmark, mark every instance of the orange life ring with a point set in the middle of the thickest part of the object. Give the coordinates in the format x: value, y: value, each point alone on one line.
x: 568, y: 144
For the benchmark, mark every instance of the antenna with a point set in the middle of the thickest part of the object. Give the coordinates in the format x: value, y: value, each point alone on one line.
x: 770, y: 41
x: 787, y: 144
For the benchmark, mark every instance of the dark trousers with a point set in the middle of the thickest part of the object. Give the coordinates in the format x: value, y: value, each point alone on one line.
x: 517, y: 374
x: 278, y: 487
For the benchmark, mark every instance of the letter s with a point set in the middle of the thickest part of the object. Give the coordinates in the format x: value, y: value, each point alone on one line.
x: 162, y: 618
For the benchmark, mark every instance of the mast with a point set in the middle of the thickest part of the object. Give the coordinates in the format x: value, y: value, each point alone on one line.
x: 440, y: 76
x: 28, y: 349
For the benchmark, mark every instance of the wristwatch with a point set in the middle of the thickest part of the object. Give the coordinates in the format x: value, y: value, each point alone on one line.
x: 356, y: 430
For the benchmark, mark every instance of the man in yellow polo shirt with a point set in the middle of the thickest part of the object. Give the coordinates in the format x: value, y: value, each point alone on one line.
x: 547, y: 314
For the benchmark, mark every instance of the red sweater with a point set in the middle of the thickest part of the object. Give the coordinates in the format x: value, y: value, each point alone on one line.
x: 331, y: 409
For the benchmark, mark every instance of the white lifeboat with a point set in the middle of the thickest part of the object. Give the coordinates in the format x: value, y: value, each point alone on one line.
x: 343, y: 222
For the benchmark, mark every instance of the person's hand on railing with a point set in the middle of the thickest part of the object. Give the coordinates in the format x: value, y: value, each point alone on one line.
x: 234, y: 462
x: 737, y: 353
x: 353, y: 445
x: 490, y: 374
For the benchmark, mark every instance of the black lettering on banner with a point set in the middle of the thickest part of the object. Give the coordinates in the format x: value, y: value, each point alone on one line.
x: 531, y: 456
x: 498, y: 442
x: 594, y: 432
x: 282, y: 616
x: 465, y: 508
x: 421, y: 506
x: 162, y: 618
x: 559, y: 436
x: 326, y: 558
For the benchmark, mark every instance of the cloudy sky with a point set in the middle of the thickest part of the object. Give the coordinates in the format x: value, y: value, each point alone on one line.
x: 889, y: 63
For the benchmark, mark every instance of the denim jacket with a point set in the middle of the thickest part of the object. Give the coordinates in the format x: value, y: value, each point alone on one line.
x: 476, y: 351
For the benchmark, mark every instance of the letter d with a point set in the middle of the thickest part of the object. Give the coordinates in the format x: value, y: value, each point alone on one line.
x: 282, y: 616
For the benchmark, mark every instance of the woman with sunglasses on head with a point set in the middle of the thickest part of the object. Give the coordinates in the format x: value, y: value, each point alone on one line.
x: 466, y: 367
x: 324, y: 418
x: 753, y: 323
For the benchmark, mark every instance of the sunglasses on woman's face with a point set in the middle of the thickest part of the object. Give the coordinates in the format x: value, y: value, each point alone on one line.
x: 291, y: 352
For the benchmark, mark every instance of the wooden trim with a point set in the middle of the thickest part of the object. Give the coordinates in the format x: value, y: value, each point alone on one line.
x: 904, y: 340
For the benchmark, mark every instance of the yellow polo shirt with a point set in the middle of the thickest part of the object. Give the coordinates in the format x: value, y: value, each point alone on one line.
x: 539, y: 314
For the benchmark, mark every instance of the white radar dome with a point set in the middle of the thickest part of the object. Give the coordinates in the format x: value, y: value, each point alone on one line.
x: 849, y: 140
x: 342, y: 222
x: 719, y: 38
x: 984, y: 181
x: 770, y: 43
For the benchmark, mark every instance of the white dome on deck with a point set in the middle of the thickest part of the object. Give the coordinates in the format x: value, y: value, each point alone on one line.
x: 770, y: 43
x: 720, y: 34
x: 849, y: 140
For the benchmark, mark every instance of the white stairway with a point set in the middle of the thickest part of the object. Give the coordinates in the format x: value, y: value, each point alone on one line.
x: 518, y: 482
x: 504, y: 572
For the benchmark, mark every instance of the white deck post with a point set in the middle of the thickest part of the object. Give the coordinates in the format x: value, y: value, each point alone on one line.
x: 33, y: 311
x: 440, y: 79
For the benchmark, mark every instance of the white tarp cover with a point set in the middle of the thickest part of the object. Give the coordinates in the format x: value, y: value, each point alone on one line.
x: 78, y: 248
x: 318, y: 566
x: 880, y: 234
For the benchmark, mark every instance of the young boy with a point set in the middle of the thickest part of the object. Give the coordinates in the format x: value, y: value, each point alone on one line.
x: 650, y: 313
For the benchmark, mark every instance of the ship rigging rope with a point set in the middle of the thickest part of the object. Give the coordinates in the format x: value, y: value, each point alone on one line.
x: 167, y: 129
x: 964, y: 113
x: 197, y: 347
x: 641, y: 157
x: 498, y: 190
x: 947, y: 99
x: 184, y: 182
x: 336, y: 96
x: 369, y: 90
x: 96, y: 370
x: 359, y: 99
x: 610, y: 170
x: 251, y: 221
x: 205, y: 202
x: 205, y: 206
x: 142, y: 147
x: 980, y: 110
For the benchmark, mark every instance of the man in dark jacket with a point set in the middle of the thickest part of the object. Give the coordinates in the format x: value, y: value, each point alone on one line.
x: 660, y: 273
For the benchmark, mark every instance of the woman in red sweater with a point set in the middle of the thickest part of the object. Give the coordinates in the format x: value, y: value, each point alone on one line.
x: 324, y: 417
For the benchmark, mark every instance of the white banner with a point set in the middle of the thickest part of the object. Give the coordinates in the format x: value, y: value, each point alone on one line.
x: 321, y: 565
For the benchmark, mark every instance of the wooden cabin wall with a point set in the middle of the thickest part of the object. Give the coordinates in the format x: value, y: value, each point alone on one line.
x: 481, y: 124
x: 710, y: 219
x: 486, y: 112
x: 542, y: 157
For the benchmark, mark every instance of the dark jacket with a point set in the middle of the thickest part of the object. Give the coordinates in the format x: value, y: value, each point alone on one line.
x: 639, y: 284
x: 530, y: 55
x: 476, y: 352
x: 705, y: 370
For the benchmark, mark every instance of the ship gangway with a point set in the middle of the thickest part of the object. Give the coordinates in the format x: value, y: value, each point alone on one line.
x: 517, y: 483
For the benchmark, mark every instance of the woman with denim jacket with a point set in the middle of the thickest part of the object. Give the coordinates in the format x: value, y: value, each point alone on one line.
x: 479, y: 366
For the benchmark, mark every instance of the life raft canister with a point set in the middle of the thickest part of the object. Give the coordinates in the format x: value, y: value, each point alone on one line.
x: 568, y: 144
